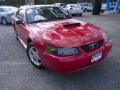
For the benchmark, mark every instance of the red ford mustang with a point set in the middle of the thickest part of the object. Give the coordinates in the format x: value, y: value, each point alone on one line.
x: 56, y: 41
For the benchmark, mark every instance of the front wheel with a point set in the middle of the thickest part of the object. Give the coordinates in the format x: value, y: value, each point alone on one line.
x: 33, y: 56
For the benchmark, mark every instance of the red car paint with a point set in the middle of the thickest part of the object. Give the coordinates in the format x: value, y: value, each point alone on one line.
x: 64, y: 33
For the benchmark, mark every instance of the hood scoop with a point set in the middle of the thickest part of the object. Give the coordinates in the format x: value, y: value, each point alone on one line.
x: 72, y: 25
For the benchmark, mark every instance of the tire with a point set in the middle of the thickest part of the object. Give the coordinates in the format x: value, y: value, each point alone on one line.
x: 80, y: 14
x: 4, y: 21
x: 35, y: 59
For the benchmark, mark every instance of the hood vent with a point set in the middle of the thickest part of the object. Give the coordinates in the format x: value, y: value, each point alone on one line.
x: 72, y: 25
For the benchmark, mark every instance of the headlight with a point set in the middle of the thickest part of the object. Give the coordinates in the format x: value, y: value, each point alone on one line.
x: 61, y: 51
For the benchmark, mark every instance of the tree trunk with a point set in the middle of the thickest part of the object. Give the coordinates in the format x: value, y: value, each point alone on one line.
x: 97, y: 6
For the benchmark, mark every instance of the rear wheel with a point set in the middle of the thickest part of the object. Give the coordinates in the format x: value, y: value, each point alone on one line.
x: 33, y: 56
x: 4, y: 21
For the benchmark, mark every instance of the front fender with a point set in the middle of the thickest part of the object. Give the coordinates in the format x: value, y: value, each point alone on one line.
x: 37, y: 41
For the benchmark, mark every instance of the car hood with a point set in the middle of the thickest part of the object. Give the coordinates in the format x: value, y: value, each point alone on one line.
x: 67, y: 33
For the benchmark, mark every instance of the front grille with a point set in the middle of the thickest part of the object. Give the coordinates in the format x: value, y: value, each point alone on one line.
x: 92, y: 46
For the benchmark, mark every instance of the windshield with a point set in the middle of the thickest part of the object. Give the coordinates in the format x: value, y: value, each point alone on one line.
x: 46, y: 14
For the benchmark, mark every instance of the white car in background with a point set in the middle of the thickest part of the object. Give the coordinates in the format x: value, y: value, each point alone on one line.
x: 6, y: 12
x: 74, y: 9
x: 87, y: 6
x: 61, y: 5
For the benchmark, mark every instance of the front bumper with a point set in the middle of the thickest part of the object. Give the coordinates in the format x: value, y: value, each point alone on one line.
x: 76, y: 62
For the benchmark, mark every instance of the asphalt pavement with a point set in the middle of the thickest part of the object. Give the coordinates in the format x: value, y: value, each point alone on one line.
x: 17, y: 73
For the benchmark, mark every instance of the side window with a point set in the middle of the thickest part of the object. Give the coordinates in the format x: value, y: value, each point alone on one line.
x: 20, y: 14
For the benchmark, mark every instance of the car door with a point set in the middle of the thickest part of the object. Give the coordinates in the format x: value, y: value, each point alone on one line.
x: 21, y: 29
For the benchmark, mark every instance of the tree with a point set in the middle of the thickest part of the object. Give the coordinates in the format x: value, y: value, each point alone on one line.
x: 97, y: 6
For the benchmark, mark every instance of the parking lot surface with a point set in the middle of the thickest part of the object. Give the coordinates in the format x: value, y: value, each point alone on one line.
x: 17, y: 73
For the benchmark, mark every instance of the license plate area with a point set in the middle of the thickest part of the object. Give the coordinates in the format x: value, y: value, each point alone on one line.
x: 96, y: 57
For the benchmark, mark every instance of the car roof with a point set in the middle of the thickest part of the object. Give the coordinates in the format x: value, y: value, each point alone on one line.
x: 7, y: 7
x: 34, y: 6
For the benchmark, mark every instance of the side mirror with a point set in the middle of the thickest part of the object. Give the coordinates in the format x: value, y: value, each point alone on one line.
x: 19, y: 21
